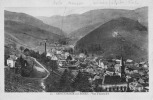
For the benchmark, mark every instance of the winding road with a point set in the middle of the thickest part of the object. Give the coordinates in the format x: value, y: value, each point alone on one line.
x: 41, y: 69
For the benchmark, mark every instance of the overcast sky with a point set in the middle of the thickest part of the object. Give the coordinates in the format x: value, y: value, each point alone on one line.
x: 63, y: 11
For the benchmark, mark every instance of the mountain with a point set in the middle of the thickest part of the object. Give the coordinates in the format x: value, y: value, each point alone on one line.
x: 139, y: 14
x: 25, y: 30
x: 118, y: 36
x: 143, y: 15
x: 30, y: 20
x: 78, y: 34
x: 72, y: 23
x: 26, y: 35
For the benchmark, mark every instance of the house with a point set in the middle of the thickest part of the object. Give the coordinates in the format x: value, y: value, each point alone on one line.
x: 129, y: 61
x: 89, y: 69
x: 117, y: 61
x: 135, y: 75
x: 117, y: 68
x: 109, y: 73
x: 135, y: 87
x: 53, y: 57
x: 58, y: 52
x: 132, y: 70
x: 141, y: 81
x: 101, y: 64
x: 82, y: 55
x: 146, y: 89
x: 72, y: 67
x: 53, y: 50
x: 141, y: 72
x: 141, y: 64
x: 135, y: 71
x: 48, y: 54
x: 105, y: 67
x: 136, y: 64
x: 145, y: 66
x: 62, y: 63
x: 11, y: 61
x: 66, y: 54
x: 96, y: 77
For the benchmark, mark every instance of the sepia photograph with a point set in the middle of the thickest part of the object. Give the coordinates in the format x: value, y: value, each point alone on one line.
x: 76, y: 49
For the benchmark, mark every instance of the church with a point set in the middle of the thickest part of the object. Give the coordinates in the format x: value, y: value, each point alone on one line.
x: 115, y: 83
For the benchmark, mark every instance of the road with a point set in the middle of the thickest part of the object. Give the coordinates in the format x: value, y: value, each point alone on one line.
x: 41, y: 70
x: 37, y: 82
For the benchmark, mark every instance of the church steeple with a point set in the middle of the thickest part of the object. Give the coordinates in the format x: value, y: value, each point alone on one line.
x: 123, y: 70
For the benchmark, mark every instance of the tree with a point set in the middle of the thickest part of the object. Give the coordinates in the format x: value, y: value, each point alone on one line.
x: 12, y: 46
x: 99, y: 47
x: 63, y: 41
x: 53, y: 64
x: 21, y: 48
x: 85, y: 52
x: 82, y: 51
x: 71, y: 50
x: 81, y: 83
x: 65, y: 82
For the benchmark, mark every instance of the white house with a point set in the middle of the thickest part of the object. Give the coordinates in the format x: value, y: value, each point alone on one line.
x: 117, y: 67
x: 54, y: 57
x: 105, y: 67
x: 145, y: 66
x: 101, y: 64
x: 48, y: 54
x: 118, y: 62
x: 82, y: 55
x: 58, y: 52
x: 10, y: 63
x: 66, y: 54
x: 129, y: 61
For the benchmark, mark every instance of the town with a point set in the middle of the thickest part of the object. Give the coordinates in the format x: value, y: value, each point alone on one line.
x: 80, y: 72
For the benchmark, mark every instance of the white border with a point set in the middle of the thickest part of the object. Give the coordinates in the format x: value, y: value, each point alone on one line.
x: 75, y: 3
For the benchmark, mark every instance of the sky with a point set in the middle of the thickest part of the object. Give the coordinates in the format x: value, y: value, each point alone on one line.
x: 63, y: 11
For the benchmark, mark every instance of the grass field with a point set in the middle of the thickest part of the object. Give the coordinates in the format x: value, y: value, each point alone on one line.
x: 17, y: 83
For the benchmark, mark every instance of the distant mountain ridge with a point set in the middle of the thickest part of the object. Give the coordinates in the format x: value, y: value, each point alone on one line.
x: 30, y: 20
x: 72, y: 23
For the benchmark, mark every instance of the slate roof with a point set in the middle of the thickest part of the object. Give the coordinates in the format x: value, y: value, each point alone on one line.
x: 112, y: 80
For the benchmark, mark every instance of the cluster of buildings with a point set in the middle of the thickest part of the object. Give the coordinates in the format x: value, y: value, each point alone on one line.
x: 113, y: 75
x: 109, y: 75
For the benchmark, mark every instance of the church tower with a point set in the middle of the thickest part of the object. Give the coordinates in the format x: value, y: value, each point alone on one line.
x: 123, y: 76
